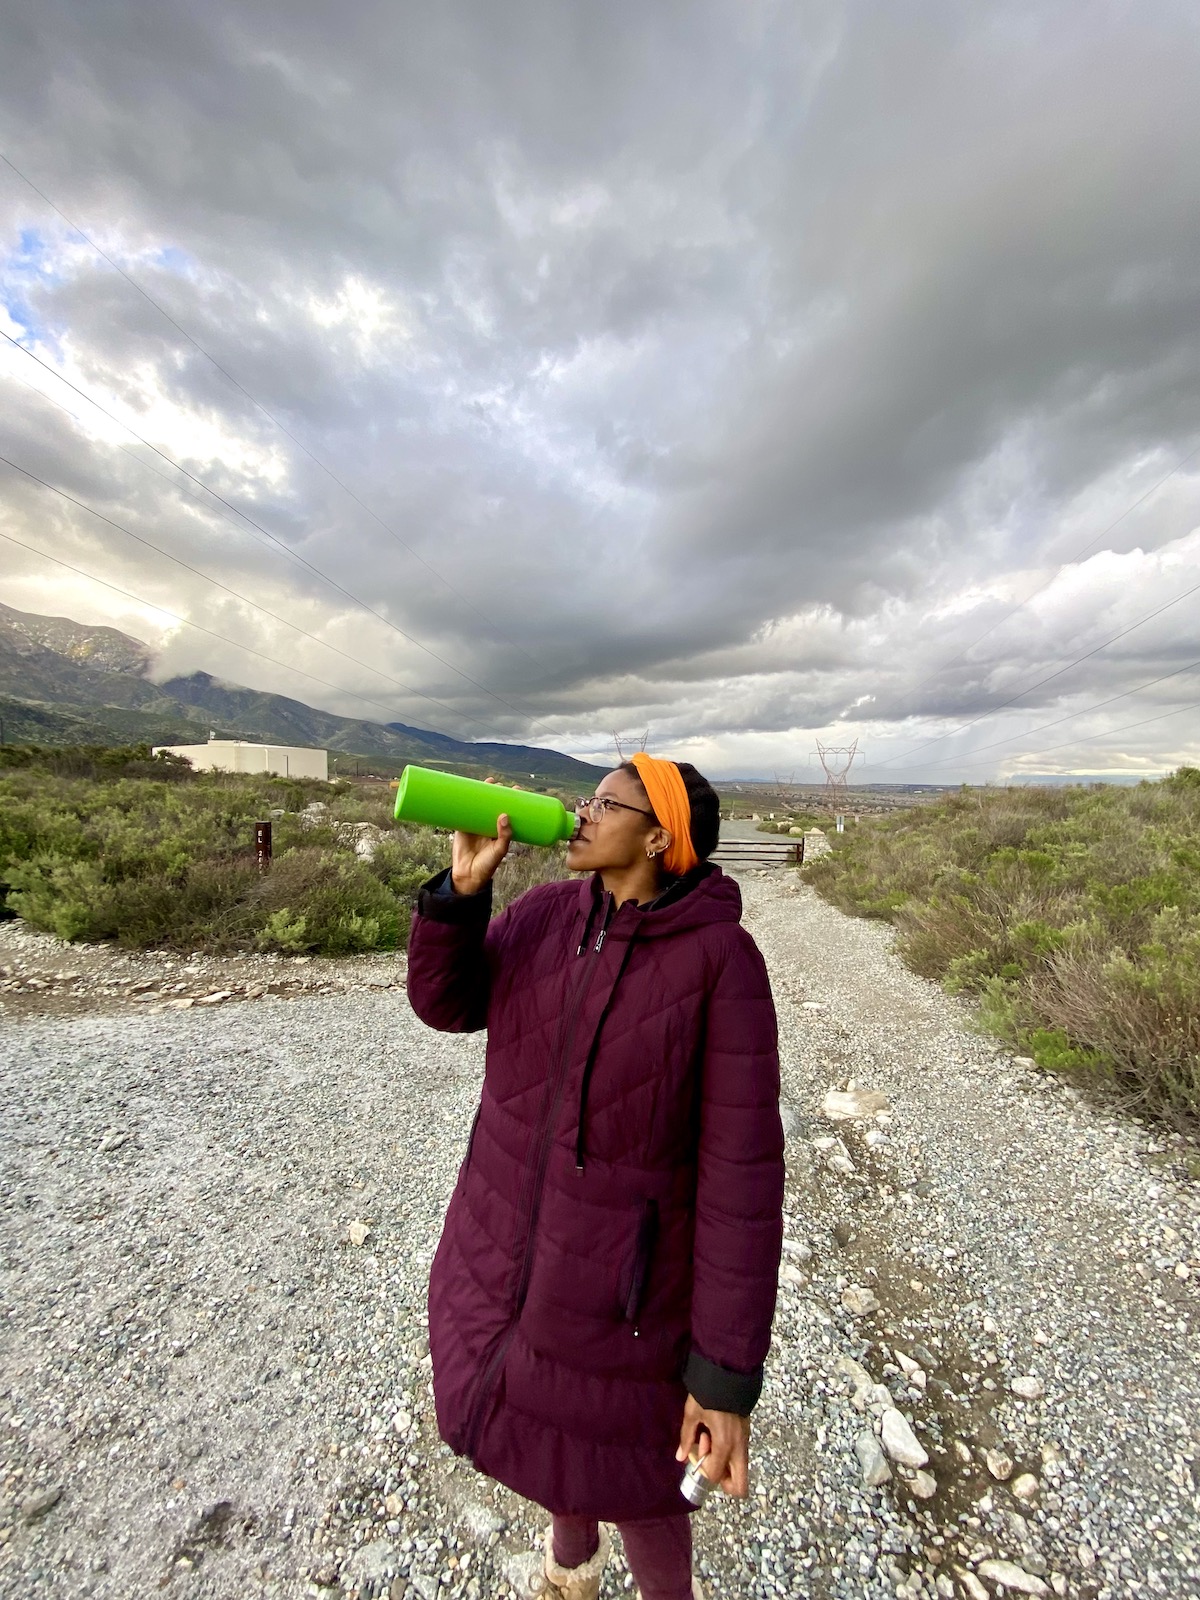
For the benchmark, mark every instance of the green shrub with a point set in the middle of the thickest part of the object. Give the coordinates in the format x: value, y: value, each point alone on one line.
x: 100, y: 844
x: 1072, y: 915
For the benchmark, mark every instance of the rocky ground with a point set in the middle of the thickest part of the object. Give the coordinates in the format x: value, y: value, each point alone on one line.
x: 40, y: 976
x: 218, y: 1220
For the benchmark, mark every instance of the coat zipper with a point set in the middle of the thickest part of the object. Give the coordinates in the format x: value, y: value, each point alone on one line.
x: 493, y: 1367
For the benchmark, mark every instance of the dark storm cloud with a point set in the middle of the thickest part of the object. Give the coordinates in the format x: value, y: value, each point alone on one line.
x: 737, y: 367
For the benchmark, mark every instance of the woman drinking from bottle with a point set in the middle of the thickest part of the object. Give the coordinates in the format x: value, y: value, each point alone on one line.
x: 600, y: 1303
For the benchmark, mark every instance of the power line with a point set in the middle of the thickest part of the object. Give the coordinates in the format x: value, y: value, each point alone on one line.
x: 267, y: 534
x: 188, y: 623
x: 1049, y: 678
x: 1082, y: 551
x: 1071, y: 743
x: 237, y: 595
x: 300, y: 445
x: 1097, y: 705
x: 226, y: 517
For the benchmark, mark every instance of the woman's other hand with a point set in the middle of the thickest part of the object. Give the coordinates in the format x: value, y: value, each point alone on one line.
x: 728, y: 1458
x: 475, y: 857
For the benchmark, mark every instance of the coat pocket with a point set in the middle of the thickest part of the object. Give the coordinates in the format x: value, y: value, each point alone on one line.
x: 638, y: 1275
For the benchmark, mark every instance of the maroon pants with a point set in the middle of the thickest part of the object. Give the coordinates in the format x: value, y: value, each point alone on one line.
x: 658, y: 1549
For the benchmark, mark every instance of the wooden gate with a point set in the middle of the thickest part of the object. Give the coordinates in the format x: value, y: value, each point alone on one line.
x: 767, y: 851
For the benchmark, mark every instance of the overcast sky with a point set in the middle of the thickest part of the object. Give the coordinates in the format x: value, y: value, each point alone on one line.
x: 753, y: 373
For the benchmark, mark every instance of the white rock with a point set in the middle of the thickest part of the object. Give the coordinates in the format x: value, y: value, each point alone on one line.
x: 812, y: 1005
x: 842, y: 1164
x: 798, y: 1249
x: 1025, y: 1487
x: 848, y: 1105
x: 1027, y: 1387
x: 999, y: 1465
x: 358, y: 1233
x: 1086, y: 1557
x: 1012, y: 1577
x: 526, y: 1574
x: 481, y: 1520
x: 35, y: 1506
x: 1040, y: 1336
x: 792, y: 1276
x: 372, y: 1562
x: 860, y: 1302
x: 847, y: 1367
x: 906, y: 1364
x: 402, y: 1422
x: 971, y: 1585
x: 875, y: 1469
x: 827, y: 1142
x: 900, y: 1442
x: 990, y: 1325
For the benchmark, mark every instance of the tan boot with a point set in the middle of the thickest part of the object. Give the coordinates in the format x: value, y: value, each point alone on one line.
x: 576, y: 1583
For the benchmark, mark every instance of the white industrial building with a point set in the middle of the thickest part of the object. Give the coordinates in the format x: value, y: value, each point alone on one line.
x: 239, y: 755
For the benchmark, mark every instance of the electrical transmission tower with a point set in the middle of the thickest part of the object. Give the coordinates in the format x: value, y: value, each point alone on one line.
x: 784, y: 787
x: 836, y: 760
x: 625, y: 745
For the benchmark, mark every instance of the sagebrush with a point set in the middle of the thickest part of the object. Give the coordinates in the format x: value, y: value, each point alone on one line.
x: 1071, y: 914
x: 120, y: 845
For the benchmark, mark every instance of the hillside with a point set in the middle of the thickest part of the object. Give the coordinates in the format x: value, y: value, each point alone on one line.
x: 64, y: 683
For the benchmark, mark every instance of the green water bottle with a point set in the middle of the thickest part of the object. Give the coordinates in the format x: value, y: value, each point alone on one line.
x: 441, y: 800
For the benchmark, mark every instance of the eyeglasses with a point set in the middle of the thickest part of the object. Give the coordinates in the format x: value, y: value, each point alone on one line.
x: 595, y: 807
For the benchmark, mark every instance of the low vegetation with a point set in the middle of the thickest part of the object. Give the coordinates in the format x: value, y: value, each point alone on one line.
x: 99, y: 844
x: 803, y: 820
x: 1072, y: 915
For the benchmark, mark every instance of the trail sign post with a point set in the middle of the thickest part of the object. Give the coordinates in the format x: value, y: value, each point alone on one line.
x: 262, y: 845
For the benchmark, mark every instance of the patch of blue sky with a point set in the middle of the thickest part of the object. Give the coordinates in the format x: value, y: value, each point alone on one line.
x: 32, y: 263
x: 172, y: 259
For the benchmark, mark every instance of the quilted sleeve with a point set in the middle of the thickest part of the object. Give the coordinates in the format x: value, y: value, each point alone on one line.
x: 739, y: 1188
x: 448, y: 967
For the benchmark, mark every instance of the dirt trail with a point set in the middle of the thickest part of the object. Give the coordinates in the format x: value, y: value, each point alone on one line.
x: 209, y: 1389
x: 1008, y: 1231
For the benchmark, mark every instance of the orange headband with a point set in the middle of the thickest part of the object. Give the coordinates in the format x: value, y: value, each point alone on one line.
x: 667, y: 793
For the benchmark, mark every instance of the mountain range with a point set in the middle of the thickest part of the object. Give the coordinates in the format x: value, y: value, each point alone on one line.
x: 62, y: 682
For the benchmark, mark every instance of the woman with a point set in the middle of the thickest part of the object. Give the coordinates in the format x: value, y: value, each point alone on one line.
x: 602, y: 1295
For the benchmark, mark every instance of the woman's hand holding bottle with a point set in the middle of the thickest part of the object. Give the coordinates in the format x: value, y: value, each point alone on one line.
x: 475, y: 857
x: 727, y: 1460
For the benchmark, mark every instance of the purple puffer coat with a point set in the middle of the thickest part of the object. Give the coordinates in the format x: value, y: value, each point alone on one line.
x: 613, y: 1238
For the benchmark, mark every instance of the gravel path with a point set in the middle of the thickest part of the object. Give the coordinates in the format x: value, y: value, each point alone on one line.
x: 210, y: 1390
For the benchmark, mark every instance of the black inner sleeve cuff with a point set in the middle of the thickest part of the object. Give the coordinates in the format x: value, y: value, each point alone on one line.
x: 721, y: 1389
x: 438, y: 899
